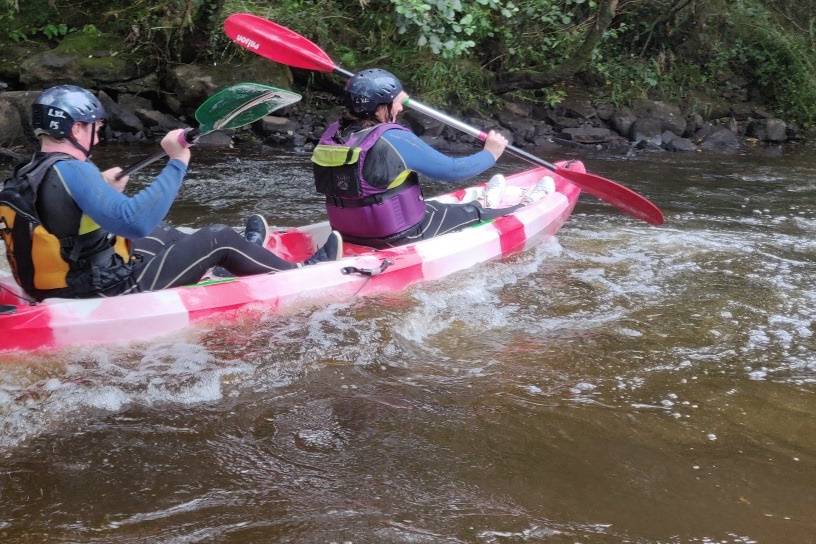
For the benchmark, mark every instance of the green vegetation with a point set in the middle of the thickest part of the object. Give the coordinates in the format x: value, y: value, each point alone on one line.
x: 471, y: 52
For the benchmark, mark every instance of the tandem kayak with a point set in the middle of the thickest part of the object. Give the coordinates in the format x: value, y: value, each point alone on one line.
x: 58, y: 323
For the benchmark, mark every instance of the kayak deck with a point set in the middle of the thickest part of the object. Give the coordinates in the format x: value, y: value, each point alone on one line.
x: 362, y: 272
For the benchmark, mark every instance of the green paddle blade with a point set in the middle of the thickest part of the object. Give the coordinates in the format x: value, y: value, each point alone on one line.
x: 241, y: 104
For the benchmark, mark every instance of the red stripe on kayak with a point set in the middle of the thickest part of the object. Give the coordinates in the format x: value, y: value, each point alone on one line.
x: 28, y: 330
x: 511, y: 233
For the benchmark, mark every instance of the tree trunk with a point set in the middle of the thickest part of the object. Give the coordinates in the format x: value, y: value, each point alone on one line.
x: 577, y: 62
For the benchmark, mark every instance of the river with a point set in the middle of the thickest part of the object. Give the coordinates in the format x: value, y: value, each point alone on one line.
x: 621, y: 383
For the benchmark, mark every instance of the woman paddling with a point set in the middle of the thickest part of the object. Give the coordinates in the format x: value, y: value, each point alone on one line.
x: 367, y: 167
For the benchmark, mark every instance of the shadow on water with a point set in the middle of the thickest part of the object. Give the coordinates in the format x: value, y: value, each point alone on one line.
x: 623, y: 383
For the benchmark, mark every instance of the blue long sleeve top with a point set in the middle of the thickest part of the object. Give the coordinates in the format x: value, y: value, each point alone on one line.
x: 129, y: 216
x: 426, y: 160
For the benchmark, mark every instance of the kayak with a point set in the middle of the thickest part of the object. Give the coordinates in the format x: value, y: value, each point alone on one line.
x: 363, y: 271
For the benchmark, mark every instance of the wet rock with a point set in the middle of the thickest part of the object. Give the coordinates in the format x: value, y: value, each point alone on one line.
x: 521, y: 127
x: 622, y: 121
x: 120, y: 119
x: 22, y: 100
x: 317, y: 441
x: 519, y: 109
x: 768, y: 130
x: 647, y: 129
x: 578, y: 107
x: 669, y: 115
x: 679, y: 144
x: 158, y: 122
x: 277, y: 130
x: 422, y: 125
x: 193, y: 83
x: 148, y: 83
x: 134, y: 102
x: 588, y: 135
x: 219, y: 138
x: 721, y: 140
x: 11, y: 124
x: 694, y: 121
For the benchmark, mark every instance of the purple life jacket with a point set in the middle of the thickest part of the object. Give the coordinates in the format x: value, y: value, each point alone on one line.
x: 390, y: 204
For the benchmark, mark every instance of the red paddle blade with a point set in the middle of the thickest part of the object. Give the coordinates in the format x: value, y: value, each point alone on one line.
x: 616, y: 194
x: 276, y: 42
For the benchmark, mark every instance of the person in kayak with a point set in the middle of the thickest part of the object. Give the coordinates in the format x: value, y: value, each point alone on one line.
x: 70, y: 231
x: 367, y: 167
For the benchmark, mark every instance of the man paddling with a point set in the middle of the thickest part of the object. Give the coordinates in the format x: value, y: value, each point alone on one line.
x: 367, y: 167
x: 70, y: 232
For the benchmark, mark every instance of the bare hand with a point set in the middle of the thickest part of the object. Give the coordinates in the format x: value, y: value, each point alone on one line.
x: 172, y: 145
x: 110, y: 176
x: 495, y: 144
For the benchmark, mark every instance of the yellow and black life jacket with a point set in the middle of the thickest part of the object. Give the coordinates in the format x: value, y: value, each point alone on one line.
x: 79, y: 260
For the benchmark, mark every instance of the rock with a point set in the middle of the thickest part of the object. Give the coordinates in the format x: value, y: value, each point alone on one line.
x: 768, y: 130
x: 647, y: 129
x: 422, y: 125
x: 694, y: 121
x: 157, y: 121
x: 193, y: 83
x: 3, y: 86
x: 579, y: 107
x: 148, y: 83
x: 134, y: 102
x: 622, y: 121
x: 519, y: 109
x: 605, y: 111
x: 679, y: 144
x: 670, y: 115
x: 11, y: 124
x: 588, y: 135
x: 522, y: 127
x: 721, y: 140
x: 22, y: 100
x: 83, y: 59
x: 120, y: 119
x: 12, y: 55
x: 219, y: 138
x: 277, y: 130
x: 562, y: 121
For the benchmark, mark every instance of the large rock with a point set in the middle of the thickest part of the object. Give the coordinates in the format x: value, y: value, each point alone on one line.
x: 12, y: 55
x: 22, y: 100
x: 768, y: 130
x: 523, y: 128
x: 193, y: 83
x: 588, y: 135
x: 670, y: 116
x: 11, y: 124
x: 83, y: 59
x: 422, y: 125
x: 647, y: 129
x: 622, y: 121
x: 721, y: 140
x: 120, y: 119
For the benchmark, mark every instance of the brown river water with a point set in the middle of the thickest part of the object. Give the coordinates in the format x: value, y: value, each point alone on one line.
x: 621, y: 383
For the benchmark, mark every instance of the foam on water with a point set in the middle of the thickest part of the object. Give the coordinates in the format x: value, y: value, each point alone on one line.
x: 46, y: 395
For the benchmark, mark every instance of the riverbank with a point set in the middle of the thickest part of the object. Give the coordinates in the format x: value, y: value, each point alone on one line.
x: 578, y: 121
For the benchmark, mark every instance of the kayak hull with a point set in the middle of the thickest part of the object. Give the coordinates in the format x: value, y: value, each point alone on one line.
x: 57, y: 323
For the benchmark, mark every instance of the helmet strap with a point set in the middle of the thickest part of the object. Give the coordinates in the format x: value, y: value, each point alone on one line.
x: 75, y: 143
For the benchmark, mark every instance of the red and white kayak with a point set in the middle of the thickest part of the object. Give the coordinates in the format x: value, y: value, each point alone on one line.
x: 57, y: 323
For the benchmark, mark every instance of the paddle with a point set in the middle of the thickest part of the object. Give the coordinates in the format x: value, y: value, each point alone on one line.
x: 231, y: 107
x: 278, y: 43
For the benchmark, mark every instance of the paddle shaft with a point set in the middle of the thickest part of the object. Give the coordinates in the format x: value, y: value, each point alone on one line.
x: 189, y: 137
x: 458, y: 125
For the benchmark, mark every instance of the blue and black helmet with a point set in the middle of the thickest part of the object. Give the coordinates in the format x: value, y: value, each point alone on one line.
x: 56, y: 110
x: 369, y: 88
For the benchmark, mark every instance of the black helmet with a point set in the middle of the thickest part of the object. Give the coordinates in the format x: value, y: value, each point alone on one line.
x: 56, y: 110
x: 369, y: 88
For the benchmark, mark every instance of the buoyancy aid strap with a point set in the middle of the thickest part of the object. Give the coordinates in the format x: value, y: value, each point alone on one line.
x: 378, y: 198
x: 36, y: 174
x: 335, y: 155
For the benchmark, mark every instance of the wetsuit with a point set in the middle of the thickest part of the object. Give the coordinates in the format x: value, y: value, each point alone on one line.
x: 74, y: 193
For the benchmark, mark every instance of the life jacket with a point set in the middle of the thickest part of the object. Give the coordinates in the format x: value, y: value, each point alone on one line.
x: 374, y: 198
x: 84, y: 263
